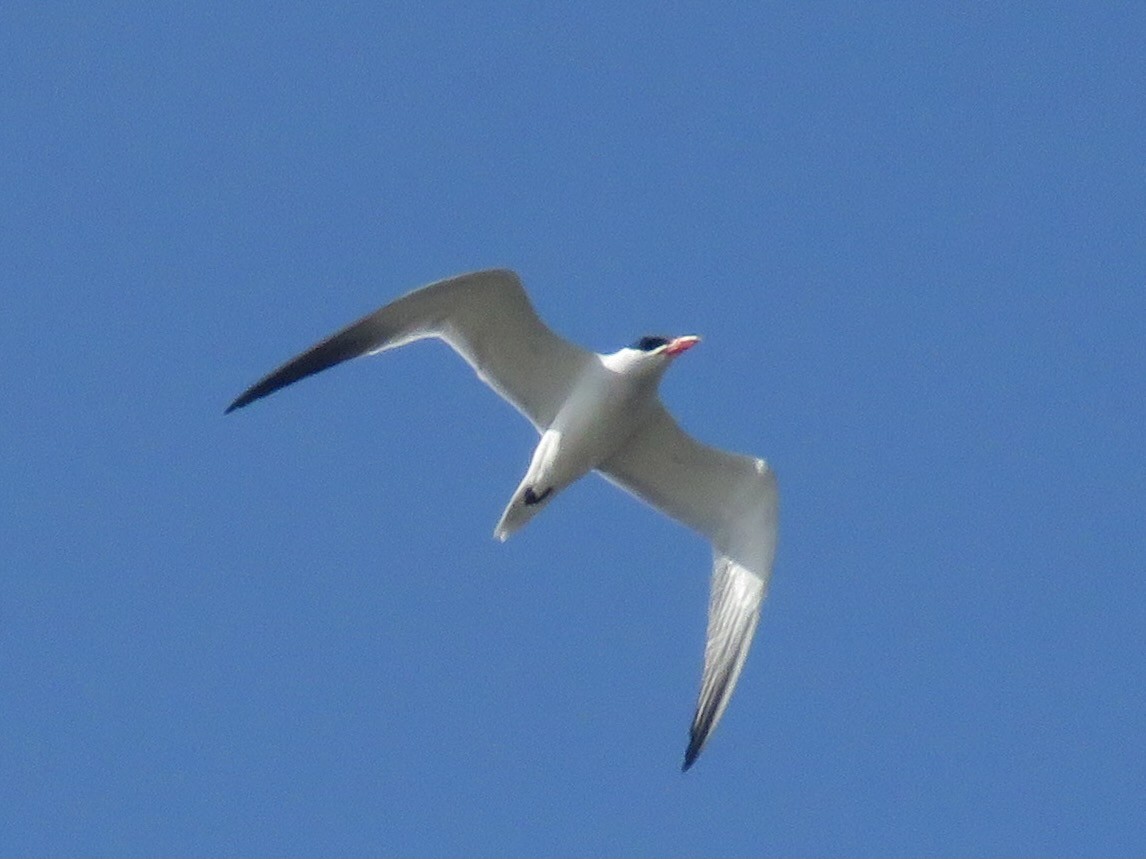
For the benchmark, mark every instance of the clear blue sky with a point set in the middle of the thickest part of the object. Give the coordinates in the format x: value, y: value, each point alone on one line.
x: 913, y: 237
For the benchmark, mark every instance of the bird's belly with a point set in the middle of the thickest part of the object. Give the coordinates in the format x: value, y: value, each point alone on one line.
x: 584, y: 439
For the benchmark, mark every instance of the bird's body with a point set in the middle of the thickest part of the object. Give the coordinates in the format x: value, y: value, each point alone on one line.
x: 594, y: 413
x: 602, y: 411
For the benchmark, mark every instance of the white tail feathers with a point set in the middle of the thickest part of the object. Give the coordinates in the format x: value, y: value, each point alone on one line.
x: 527, y: 503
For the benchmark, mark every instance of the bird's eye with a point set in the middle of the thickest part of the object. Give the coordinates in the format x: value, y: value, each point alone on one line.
x: 648, y: 344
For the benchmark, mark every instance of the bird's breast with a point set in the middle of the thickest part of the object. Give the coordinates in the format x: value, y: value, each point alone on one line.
x: 598, y: 418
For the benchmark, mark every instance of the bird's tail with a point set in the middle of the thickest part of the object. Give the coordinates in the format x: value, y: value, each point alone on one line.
x: 527, y: 502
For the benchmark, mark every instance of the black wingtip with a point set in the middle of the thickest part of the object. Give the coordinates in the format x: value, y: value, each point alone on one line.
x: 691, y: 753
x: 255, y: 392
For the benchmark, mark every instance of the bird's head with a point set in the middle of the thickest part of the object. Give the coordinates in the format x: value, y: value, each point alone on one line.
x: 665, y: 347
x: 650, y: 354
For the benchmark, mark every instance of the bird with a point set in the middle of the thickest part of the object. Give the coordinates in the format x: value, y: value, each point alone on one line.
x: 593, y: 412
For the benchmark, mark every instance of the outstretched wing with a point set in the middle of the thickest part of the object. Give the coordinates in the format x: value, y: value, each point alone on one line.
x: 485, y: 316
x: 732, y: 500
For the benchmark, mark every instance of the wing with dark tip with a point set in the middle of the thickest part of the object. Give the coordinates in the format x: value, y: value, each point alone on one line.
x: 733, y: 612
x: 732, y: 500
x: 485, y: 316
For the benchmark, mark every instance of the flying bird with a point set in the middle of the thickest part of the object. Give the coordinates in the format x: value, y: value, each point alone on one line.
x: 593, y: 413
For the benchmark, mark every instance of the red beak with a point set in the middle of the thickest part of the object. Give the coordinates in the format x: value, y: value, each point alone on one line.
x: 681, y: 344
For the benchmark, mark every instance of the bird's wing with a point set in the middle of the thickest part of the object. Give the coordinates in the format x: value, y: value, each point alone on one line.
x: 732, y: 500
x: 485, y: 316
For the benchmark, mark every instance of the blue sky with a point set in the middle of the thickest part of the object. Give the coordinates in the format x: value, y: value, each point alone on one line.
x: 913, y: 237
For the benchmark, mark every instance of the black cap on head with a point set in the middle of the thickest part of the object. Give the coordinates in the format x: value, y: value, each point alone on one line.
x: 649, y: 343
